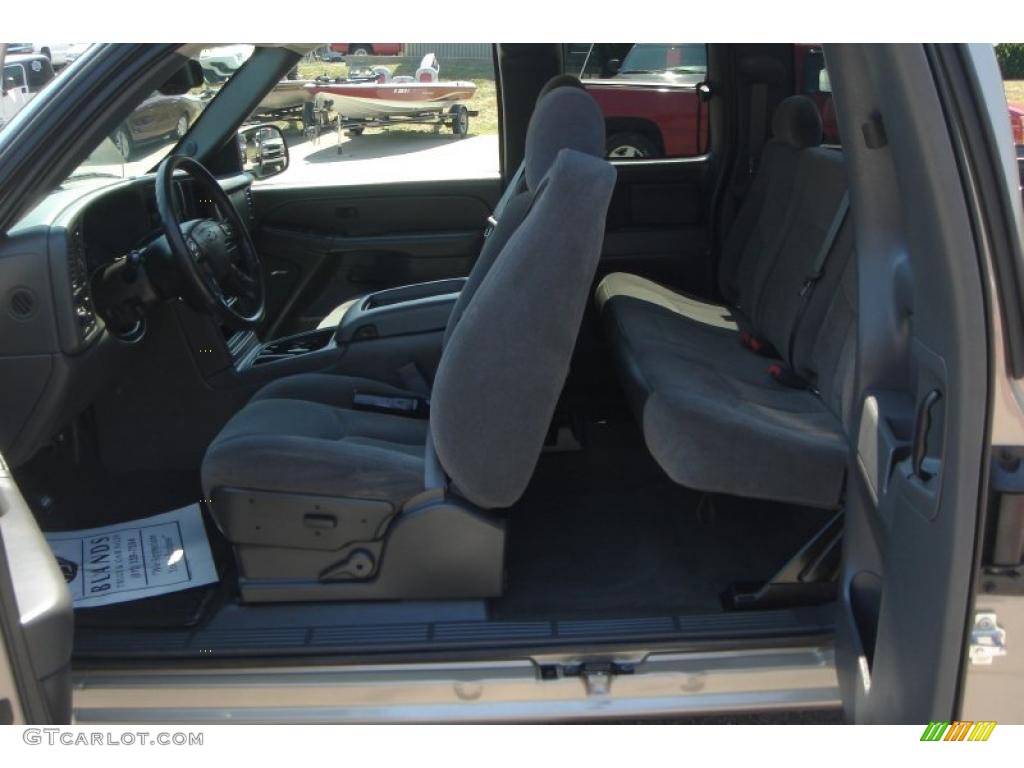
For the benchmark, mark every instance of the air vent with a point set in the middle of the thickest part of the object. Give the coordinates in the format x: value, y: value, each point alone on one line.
x: 250, y: 204
x: 22, y: 303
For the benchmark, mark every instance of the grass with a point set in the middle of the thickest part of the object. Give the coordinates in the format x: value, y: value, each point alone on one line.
x: 1014, y: 91
x: 481, y: 73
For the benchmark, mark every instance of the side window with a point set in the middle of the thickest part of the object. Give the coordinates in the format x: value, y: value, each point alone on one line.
x: 360, y: 113
x: 1011, y: 64
x: 14, y: 76
x: 648, y: 93
x: 813, y: 81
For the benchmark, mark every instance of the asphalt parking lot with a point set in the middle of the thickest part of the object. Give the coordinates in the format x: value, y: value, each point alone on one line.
x: 378, y: 156
x: 388, y: 155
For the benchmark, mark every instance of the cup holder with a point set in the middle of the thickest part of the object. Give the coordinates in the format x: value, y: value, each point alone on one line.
x: 294, y: 346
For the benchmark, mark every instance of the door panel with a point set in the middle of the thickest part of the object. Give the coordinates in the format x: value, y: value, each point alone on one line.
x: 921, y: 392
x: 36, y: 619
x: 321, y: 247
x: 658, y: 223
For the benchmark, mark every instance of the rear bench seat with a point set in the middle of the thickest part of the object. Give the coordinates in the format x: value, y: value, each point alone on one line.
x: 752, y: 397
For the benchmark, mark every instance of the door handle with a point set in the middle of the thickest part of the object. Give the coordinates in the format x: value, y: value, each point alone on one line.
x: 922, y: 426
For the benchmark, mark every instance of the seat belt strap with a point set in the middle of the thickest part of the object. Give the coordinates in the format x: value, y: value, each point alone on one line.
x: 818, y: 266
x: 817, y: 270
x: 514, y: 186
x: 758, y: 128
x: 413, y: 379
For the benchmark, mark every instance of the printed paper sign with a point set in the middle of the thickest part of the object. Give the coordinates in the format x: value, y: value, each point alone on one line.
x: 129, y: 561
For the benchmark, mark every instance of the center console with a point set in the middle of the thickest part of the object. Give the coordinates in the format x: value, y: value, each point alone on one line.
x: 410, y: 309
x: 382, y: 336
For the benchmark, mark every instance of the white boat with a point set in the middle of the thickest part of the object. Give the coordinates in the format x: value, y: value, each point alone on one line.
x: 379, y: 96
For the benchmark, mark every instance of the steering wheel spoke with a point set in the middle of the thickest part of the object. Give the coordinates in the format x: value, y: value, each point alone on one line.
x: 241, y: 282
x: 209, y: 278
x: 216, y: 256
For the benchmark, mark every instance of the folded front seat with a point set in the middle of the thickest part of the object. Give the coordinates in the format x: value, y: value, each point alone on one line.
x: 323, y: 501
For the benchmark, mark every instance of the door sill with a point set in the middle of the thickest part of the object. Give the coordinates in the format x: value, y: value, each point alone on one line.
x: 541, y: 688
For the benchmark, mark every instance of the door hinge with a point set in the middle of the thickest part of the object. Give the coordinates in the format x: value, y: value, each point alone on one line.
x: 597, y: 675
x: 988, y: 639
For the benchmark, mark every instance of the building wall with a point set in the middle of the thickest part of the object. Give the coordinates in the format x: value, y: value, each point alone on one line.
x: 445, y: 51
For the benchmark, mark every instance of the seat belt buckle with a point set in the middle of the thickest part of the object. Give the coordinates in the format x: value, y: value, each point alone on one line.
x: 410, y: 407
x: 754, y: 344
x: 491, y: 224
x: 784, y: 375
x: 750, y: 341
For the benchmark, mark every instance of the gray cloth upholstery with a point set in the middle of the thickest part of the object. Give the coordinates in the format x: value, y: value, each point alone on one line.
x: 797, y: 122
x: 754, y: 239
x: 717, y: 432
x: 758, y: 235
x: 566, y: 117
x: 302, y: 444
x: 504, y: 366
x: 506, y: 353
x: 327, y: 388
x: 713, y: 416
x: 548, y: 126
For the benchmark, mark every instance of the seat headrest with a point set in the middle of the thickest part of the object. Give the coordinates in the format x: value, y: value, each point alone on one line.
x: 797, y: 122
x: 559, y: 81
x: 566, y: 117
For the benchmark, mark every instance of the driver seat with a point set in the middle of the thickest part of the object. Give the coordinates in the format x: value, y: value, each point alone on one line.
x: 322, y: 500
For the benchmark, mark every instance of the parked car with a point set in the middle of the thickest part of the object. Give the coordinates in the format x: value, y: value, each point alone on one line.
x: 649, y: 97
x: 367, y: 49
x: 1017, y: 126
x: 264, y: 151
x: 61, y: 54
x: 651, y: 101
x: 327, y: 54
x: 24, y: 75
x: 158, y: 117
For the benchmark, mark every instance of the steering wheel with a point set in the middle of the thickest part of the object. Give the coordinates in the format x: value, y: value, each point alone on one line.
x: 216, y: 256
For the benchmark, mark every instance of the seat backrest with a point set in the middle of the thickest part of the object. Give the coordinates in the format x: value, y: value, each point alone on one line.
x: 824, y: 345
x: 507, y: 355
x: 566, y: 117
x: 428, y: 70
x: 753, y: 238
x: 774, y: 300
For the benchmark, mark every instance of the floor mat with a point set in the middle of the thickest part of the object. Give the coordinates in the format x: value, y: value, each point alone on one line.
x: 604, y: 531
x: 174, y: 610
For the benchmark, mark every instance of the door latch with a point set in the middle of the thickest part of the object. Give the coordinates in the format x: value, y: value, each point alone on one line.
x: 597, y: 675
x: 988, y: 639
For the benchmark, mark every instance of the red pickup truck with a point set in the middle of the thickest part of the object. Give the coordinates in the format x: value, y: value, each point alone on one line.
x: 651, y: 96
x: 367, y: 49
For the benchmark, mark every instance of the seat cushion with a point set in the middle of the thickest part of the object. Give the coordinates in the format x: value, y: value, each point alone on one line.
x: 327, y: 388
x: 712, y: 415
x: 297, y: 436
x: 716, y: 432
x: 622, y: 284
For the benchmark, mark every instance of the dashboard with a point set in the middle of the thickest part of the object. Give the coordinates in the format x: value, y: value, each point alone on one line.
x: 55, y: 348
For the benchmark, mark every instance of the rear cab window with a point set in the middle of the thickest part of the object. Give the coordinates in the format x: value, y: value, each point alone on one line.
x: 812, y: 80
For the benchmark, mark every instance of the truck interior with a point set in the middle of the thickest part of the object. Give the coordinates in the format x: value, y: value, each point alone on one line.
x: 735, y: 398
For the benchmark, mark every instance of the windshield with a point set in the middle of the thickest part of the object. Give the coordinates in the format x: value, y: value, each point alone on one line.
x: 156, y: 125
x: 665, y: 57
